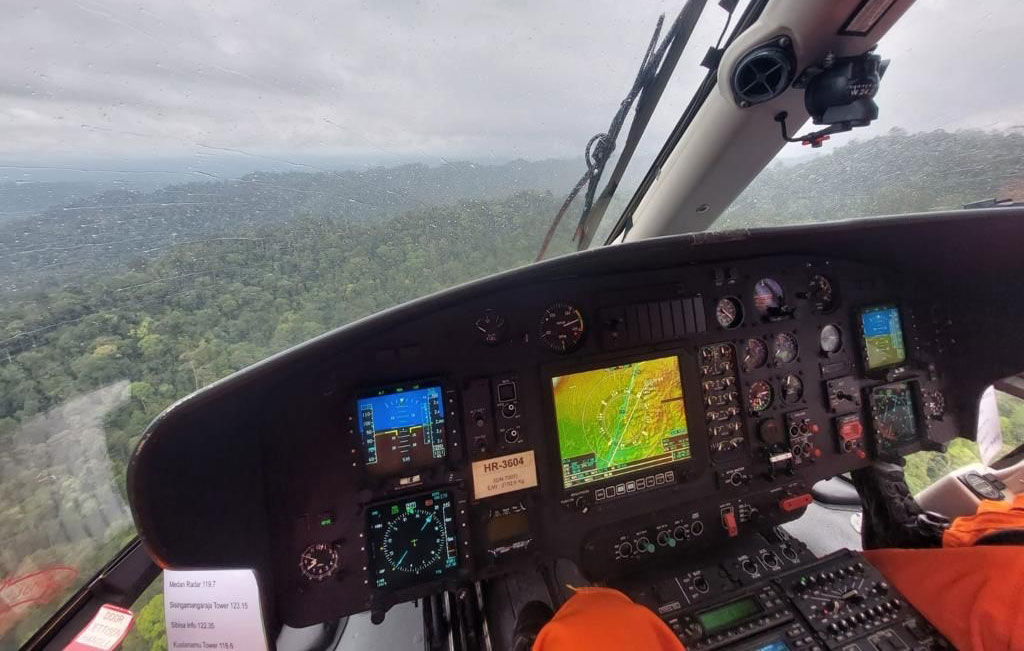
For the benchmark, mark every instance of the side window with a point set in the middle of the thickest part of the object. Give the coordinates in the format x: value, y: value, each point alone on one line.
x: 149, y: 632
x: 924, y: 468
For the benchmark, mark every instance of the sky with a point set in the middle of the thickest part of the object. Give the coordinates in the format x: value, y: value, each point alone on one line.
x: 267, y: 83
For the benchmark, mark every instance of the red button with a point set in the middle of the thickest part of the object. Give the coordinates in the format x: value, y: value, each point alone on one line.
x: 795, y: 502
x: 729, y: 522
x: 851, y: 430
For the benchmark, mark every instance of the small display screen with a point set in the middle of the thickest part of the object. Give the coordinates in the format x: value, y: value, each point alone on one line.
x: 412, y: 540
x: 894, y: 415
x: 774, y: 645
x: 619, y: 420
x: 507, y: 526
x: 725, y: 616
x: 402, y: 429
x: 883, y: 337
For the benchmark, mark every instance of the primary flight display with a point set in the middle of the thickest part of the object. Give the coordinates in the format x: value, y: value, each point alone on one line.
x: 620, y: 419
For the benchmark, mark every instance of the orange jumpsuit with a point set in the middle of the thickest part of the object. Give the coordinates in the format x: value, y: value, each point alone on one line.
x: 972, y: 595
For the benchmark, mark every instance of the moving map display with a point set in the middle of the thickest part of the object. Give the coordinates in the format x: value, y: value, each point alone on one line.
x: 883, y: 337
x: 619, y: 420
x: 402, y: 429
x: 894, y: 415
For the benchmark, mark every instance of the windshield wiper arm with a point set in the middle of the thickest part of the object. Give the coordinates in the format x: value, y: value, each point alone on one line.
x: 657, y: 67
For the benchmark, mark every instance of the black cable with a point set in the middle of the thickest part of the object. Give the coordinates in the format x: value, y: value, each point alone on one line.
x: 725, y: 29
x: 600, y: 147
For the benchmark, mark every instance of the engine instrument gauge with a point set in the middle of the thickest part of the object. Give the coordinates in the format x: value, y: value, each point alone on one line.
x: 768, y: 296
x: 784, y: 348
x: 830, y: 339
x: 760, y: 395
x: 319, y: 561
x: 491, y: 327
x: 728, y: 312
x: 821, y: 293
x: 561, y: 327
x: 933, y: 404
x: 755, y: 354
x: 412, y: 540
x: 792, y: 389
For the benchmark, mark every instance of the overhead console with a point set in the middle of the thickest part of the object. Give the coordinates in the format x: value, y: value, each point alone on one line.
x: 627, y: 409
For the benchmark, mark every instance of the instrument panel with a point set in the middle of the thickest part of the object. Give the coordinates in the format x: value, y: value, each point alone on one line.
x: 623, y: 415
x: 632, y: 421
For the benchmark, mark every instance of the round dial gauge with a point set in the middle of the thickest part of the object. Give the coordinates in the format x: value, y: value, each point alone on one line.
x: 561, y: 327
x: 785, y: 348
x: 934, y: 403
x: 768, y: 296
x: 760, y: 396
x: 491, y: 327
x: 792, y: 389
x: 820, y: 293
x: 414, y: 542
x: 728, y: 312
x: 755, y: 354
x: 319, y: 561
x: 831, y: 339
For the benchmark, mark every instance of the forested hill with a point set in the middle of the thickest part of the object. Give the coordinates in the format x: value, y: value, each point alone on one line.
x: 891, y: 174
x: 127, y: 302
x: 117, y: 230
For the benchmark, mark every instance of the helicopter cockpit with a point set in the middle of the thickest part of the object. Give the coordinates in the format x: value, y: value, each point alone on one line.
x: 672, y: 415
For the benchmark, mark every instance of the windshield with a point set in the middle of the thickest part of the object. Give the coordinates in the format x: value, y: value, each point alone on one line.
x: 187, y: 188
x: 950, y: 130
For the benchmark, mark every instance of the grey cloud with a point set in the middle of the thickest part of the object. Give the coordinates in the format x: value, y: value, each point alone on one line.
x: 475, y: 79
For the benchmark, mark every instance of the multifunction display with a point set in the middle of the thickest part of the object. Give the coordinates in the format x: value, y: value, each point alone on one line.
x: 402, y: 428
x: 620, y: 419
x: 883, y: 337
x: 894, y: 414
x: 412, y: 540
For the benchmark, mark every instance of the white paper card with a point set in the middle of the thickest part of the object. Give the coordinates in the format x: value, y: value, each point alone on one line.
x: 213, y: 609
x: 990, y: 433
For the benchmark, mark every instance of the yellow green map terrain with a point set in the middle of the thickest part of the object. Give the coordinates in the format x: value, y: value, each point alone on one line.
x: 620, y: 419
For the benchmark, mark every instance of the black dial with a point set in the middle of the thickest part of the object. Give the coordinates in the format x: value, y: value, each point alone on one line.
x: 760, y: 396
x: 821, y: 293
x: 934, y: 404
x: 755, y: 354
x: 319, y: 561
x: 491, y: 328
x: 561, y: 327
x: 414, y: 542
x: 792, y: 389
x: 728, y: 312
x: 785, y: 348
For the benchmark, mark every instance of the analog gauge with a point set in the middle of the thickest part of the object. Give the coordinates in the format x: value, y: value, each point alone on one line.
x: 319, y: 561
x: 728, y: 312
x: 491, y: 327
x: 755, y: 354
x: 561, y: 327
x: 820, y: 293
x: 785, y: 348
x: 768, y: 296
x: 934, y: 404
x: 760, y: 396
x: 792, y: 389
x: 831, y: 339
